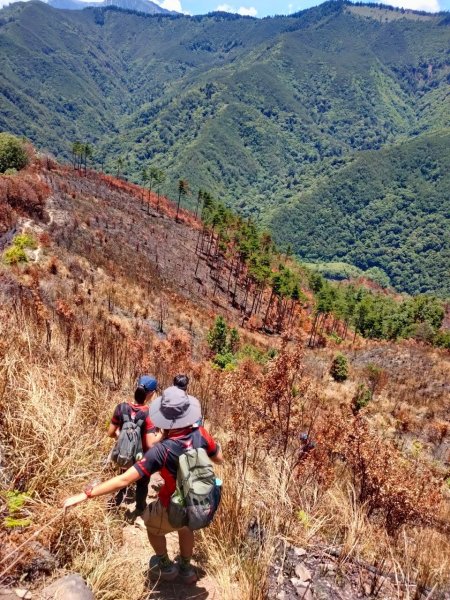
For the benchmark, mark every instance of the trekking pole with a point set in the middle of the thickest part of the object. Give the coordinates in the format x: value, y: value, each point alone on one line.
x: 36, y: 533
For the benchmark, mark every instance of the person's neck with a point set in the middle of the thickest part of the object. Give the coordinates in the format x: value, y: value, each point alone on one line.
x: 174, y: 433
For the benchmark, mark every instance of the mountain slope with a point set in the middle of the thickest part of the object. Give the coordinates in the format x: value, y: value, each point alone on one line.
x: 298, y: 91
x: 259, y: 112
x: 110, y: 292
x: 388, y: 209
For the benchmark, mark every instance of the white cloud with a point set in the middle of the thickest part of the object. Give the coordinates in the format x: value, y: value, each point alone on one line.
x: 171, y: 5
x: 428, y: 5
x: 245, y: 11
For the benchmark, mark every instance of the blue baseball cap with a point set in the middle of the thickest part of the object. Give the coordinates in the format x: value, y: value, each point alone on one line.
x: 148, y: 382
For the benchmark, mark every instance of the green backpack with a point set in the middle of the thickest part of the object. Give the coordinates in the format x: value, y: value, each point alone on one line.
x: 198, y: 492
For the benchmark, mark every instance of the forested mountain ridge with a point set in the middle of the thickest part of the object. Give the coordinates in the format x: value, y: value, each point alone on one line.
x: 259, y: 112
x: 388, y: 209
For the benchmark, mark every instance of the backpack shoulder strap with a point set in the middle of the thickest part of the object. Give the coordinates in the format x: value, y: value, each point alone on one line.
x: 139, y: 417
x: 125, y: 412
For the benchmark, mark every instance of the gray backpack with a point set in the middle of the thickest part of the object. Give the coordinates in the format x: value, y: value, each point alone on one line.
x: 198, y: 492
x: 128, y: 448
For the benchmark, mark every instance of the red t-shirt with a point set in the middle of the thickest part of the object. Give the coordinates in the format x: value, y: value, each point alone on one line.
x: 163, y: 457
x: 132, y: 410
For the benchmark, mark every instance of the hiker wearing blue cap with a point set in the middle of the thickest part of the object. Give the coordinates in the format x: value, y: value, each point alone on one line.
x: 137, y: 413
x: 174, y: 412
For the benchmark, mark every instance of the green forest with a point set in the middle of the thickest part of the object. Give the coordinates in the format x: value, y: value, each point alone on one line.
x: 387, y: 211
x: 329, y: 127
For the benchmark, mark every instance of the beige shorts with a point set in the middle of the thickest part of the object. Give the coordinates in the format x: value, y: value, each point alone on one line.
x: 156, y: 519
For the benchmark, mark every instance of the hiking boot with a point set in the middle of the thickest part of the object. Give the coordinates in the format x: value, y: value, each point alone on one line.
x: 161, y: 567
x: 187, y: 573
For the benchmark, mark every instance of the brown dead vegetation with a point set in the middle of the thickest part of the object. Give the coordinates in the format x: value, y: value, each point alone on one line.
x: 113, y: 296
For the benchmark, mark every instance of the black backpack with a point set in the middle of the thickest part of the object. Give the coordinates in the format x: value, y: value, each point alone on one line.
x: 128, y: 448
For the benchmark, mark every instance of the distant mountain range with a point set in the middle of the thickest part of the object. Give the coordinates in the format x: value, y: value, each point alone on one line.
x: 143, y: 6
x: 330, y: 126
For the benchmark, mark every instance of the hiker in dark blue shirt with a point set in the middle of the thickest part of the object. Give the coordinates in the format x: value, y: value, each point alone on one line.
x: 175, y: 413
x: 144, y: 393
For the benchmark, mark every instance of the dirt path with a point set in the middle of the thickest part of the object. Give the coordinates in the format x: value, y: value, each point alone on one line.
x: 135, y: 541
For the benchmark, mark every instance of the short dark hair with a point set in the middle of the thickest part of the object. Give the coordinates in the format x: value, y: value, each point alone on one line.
x: 181, y: 381
x: 140, y: 394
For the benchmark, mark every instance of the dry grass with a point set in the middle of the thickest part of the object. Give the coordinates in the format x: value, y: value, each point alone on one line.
x: 104, y: 571
x: 53, y: 417
x: 241, y: 542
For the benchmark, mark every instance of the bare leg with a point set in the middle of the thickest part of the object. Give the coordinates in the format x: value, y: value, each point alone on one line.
x: 186, y: 538
x: 158, y: 543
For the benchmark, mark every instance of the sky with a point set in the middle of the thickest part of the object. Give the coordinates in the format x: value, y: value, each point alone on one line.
x: 263, y: 8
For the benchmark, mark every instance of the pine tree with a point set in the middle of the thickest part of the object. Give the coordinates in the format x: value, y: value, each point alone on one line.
x: 339, y: 368
x: 183, y: 188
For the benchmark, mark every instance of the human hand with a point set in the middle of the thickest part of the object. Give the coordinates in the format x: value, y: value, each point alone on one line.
x: 74, y: 500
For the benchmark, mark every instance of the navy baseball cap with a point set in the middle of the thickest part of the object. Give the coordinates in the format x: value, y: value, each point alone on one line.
x: 148, y: 382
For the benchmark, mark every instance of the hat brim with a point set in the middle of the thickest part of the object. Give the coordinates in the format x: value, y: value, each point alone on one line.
x: 191, y: 416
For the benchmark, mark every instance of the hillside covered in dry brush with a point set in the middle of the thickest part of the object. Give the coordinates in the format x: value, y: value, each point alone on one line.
x: 354, y: 472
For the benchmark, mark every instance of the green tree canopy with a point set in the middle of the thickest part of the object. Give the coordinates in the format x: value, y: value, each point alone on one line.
x: 13, y: 154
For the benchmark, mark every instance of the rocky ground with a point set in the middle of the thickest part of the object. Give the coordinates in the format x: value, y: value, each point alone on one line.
x: 319, y: 574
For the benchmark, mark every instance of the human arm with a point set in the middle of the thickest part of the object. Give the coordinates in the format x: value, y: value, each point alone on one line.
x: 116, y: 422
x: 111, y: 485
x: 113, y: 431
x: 218, y: 457
x: 153, y: 437
x: 212, y: 447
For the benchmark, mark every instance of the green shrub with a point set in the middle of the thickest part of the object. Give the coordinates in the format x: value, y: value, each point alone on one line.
x: 217, y: 335
x: 336, y: 338
x: 24, y: 240
x: 14, y: 255
x: 423, y: 332
x: 15, y: 504
x: 13, y: 154
x: 224, y: 342
x: 226, y: 361
x: 442, y: 339
x: 362, y: 398
x: 339, y: 368
x: 255, y: 354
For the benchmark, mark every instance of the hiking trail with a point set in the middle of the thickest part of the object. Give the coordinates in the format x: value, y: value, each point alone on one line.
x: 135, y: 540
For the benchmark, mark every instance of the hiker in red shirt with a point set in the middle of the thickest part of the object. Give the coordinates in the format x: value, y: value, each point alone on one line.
x: 175, y: 412
x: 144, y: 393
